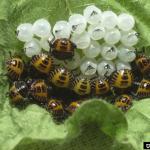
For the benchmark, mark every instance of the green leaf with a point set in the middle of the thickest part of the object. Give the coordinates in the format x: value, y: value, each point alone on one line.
x: 139, y: 123
x: 4, y: 9
x: 95, y: 118
x: 96, y: 125
x: 33, y: 122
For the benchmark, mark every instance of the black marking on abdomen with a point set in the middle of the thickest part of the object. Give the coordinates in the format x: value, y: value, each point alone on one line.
x: 64, y: 47
x: 83, y: 86
x: 60, y: 82
x: 62, y: 78
x: 124, y: 82
x: 42, y: 66
x: 101, y: 85
x: 82, y: 91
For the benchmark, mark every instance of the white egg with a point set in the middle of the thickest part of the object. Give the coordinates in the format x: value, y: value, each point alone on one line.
x: 109, y: 52
x: 93, y: 50
x: 129, y: 38
x: 44, y: 42
x: 112, y: 36
x: 41, y: 28
x: 120, y: 65
x: 109, y: 19
x: 105, y: 68
x: 32, y: 48
x: 96, y: 31
x: 74, y: 62
x: 24, y: 32
x: 92, y: 14
x: 125, y: 22
x: 78, y: 23
x: 62, y: 29
x: 126, y: 54
x: 88, y: 66
x: 81, y: 40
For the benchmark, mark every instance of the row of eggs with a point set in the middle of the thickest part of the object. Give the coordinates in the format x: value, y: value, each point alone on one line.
x: 83, y: 30
x: 77, y: 23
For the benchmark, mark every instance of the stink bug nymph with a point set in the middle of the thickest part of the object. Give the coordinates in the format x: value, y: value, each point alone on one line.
x: 62, y: 48
x: 121, y: 79
x: 42, y: 63
x: 73, y: 106
x: 124, y: 102
x: 142, y: 89
x: 18, y: 92
x: 143, y: 64
x: 100, y: 86
x: 81, y: 86
x: 15, y: 68
x: 61, y: 77
x: 39, y: 91
x: 56, y: 108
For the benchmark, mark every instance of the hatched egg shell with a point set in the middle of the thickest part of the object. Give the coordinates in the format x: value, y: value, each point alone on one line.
x: 125, y: 22
x: 81, y: 40
x: 112, y: 36
x: 41, y: 28
x: 129, y: 38
x: 92, y: 14
x: 126, y: 54
x: 74, y: 62
x: 120, y: 65
x: 105, y: 68
x: 32, y: 48
x: 109, y: 19
x: 88, y: 66
x: 62, y: 29
x: 78, y: 23
x: 93, y: 50
x: 44, y: 42
x: 96, y: 31
x: 24, y: 32
x: 109, y: 52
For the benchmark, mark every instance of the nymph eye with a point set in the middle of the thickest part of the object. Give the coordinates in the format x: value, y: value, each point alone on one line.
x: 129, y: 38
